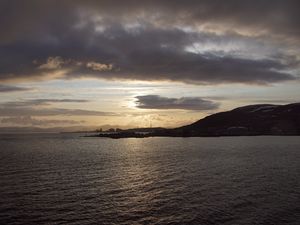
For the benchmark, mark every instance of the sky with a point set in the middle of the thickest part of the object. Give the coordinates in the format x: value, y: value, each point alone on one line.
x: 138, y: 63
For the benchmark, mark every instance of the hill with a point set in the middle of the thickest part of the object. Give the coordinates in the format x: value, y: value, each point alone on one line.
x: 263, y: 119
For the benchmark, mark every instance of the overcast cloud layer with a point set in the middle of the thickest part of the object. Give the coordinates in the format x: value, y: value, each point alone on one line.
x: 199, y: 42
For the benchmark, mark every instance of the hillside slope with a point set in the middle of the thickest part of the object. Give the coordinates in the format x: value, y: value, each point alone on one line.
x: 248, y: 120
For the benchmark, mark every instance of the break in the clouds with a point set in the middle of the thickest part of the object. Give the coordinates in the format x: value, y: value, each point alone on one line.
x: 199, y: 42
x: 185, y: 103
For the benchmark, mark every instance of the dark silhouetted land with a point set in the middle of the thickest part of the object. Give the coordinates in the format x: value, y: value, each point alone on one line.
x: 251, y: 120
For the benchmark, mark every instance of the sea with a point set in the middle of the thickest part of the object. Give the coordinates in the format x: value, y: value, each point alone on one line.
x: 71, y: 179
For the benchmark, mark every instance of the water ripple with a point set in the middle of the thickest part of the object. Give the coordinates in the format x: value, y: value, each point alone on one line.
x: 71, y: 180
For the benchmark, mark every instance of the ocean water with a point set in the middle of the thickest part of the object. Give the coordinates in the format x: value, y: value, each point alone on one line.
x: 68, y: 179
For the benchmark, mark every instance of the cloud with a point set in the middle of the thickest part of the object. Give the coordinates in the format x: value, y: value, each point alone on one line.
x: 30, y: 111
x: 277, y: 16
x: 99, y: 67
x: 51, y: 100
x: 40, y: 107
x: 151, y: 55
x: 186, y: 103
x: 28, y: 120
x: 41, y: 102
x: 52, y: 63
x: 8, y: 88
x: 233, y: 41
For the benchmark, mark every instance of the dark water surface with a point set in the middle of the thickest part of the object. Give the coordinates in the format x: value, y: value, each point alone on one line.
x: 65, y: 179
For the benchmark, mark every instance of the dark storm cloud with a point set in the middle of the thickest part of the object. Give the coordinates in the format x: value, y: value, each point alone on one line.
x: 186, y: 103
x: 279, y: 16
x: 8, y: 88
x: 141, y: 40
